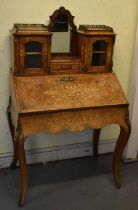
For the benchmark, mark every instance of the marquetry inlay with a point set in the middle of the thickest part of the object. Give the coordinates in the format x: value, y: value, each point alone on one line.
x: 70, y: 90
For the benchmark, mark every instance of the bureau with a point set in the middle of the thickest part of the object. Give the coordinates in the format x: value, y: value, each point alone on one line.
x: 71, y: 90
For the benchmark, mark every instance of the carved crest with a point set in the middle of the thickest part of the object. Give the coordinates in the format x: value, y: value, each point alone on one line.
x: 58, y: 12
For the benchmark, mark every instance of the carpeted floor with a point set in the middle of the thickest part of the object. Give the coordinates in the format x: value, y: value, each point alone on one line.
x: 76, y: 184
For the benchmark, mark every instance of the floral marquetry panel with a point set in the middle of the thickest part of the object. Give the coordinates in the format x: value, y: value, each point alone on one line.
x: 67, y: 92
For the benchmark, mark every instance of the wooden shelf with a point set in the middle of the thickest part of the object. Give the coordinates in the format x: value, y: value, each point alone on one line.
x: 99, y: 51
x: 33, y: 53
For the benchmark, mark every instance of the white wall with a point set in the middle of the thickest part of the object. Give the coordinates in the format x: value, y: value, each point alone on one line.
x: 131, y: 151
x: 120, y: 14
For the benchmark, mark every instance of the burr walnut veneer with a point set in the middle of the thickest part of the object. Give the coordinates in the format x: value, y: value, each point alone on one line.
x: 52, y: 92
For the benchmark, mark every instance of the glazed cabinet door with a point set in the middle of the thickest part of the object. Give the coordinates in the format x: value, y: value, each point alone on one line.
x: 33, y: 55
x: 99, y: 54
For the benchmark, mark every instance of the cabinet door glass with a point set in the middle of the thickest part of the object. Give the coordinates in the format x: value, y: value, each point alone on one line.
x: 99, y: 49
x: 33, y: 61
x: 33, y: 54
x: 33, y: 46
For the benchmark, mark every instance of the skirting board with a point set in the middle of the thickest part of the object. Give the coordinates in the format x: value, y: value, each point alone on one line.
x: 130, y: 160
x: 59, y: 152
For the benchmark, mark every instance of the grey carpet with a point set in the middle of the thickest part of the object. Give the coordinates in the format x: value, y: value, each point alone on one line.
x: 76, y: 184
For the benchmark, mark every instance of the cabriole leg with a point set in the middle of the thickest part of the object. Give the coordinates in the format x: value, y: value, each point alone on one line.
x: 96, y: 135
x: 23, y: 170
x: 12, y: 130
x: 125, y: 131
x: 14, y: 161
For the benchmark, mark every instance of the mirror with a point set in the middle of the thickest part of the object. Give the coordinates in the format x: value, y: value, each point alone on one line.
x: 61, y: 35
x: 60, y: 42
x: 63, y: 31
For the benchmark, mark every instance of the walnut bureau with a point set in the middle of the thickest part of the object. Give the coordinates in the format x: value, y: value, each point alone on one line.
x: 56, y: 91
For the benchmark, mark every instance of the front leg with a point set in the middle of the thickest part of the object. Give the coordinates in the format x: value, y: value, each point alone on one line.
x: 23, y: 170
x: 125, y: 131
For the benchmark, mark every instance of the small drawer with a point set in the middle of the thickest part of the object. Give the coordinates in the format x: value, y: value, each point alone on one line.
x: 65, y: 66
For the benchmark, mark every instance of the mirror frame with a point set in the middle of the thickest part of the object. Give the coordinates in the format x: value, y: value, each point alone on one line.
x: 73, y: 35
